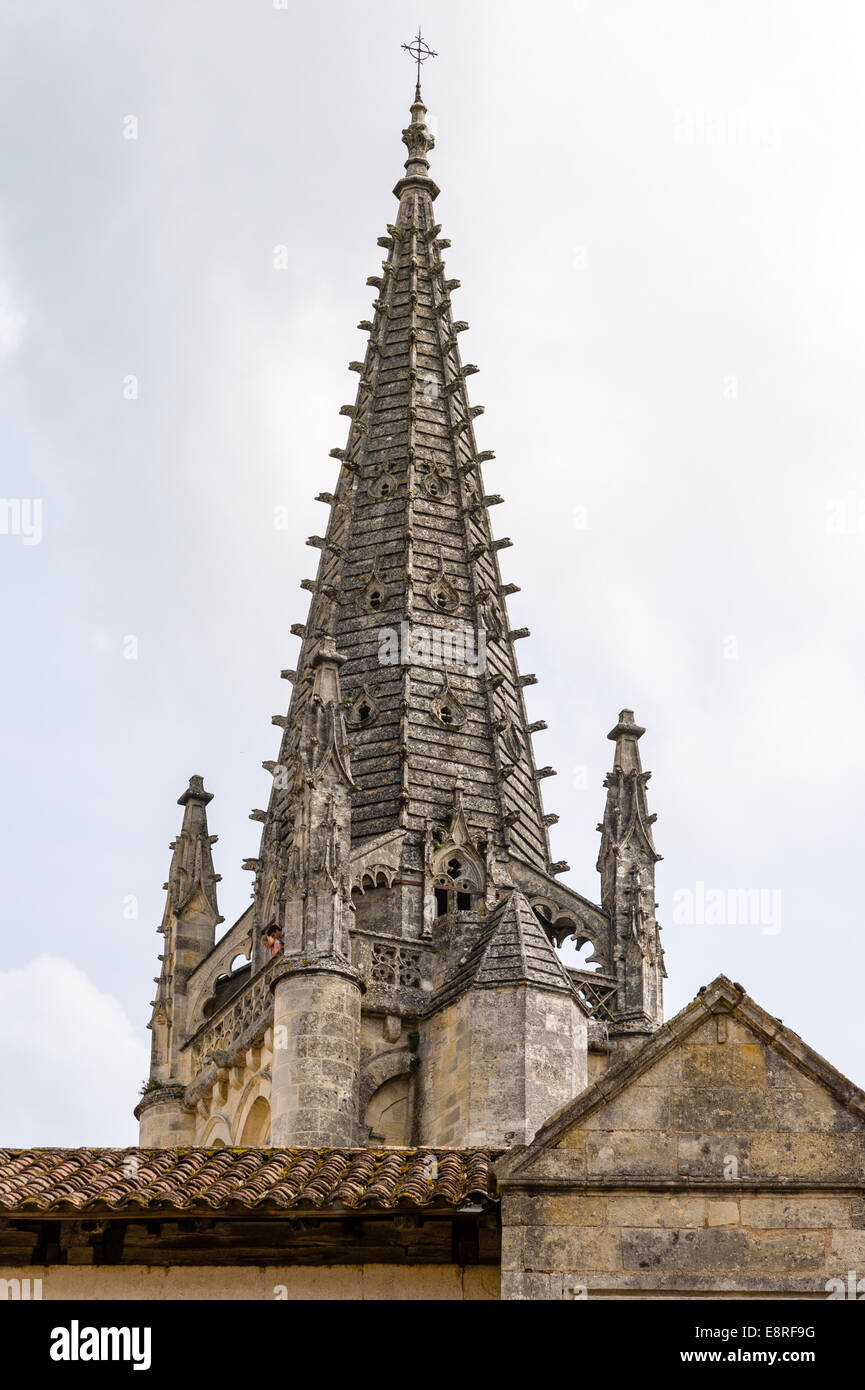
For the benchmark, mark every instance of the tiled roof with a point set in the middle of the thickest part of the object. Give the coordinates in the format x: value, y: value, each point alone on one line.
x: 267, y: 1180
x: 514, y: 949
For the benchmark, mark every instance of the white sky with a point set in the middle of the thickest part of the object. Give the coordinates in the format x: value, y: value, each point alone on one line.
x: 657, y: 215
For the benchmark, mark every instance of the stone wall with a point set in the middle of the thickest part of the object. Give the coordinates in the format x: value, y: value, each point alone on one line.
x: 496, y: 1062
x: 223, y: 1108
x: 719, y: 1162
x: 648, y: 1244
x: 165, y: 1120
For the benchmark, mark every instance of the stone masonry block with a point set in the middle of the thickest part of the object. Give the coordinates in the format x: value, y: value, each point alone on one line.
x: 808, y: 1106
x: 543, y: 1208
x: 572, y: 1247
x: 632, y: 1154
x: 790, y: 1155
x: 720, y: 1249
x: 769, y: 1212
x: 725, y: 1156
x: 529, y: 1286
x: 639, y: 1108
x: 656, y: 1209
x: 721, y: 1108
x: 727, y: 1064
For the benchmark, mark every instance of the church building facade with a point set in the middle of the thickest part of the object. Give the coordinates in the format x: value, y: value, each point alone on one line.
x: 396, y: 978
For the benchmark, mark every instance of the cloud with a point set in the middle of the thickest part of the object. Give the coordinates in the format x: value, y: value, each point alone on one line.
x: 72, y: 1063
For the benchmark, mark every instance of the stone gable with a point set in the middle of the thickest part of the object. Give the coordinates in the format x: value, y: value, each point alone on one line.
x: 723, y: 1156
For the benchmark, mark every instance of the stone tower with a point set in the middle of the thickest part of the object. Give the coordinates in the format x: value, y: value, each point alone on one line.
x: 396, y: 979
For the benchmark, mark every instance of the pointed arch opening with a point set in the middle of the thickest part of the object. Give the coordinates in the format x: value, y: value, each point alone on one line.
x: 458, y: 880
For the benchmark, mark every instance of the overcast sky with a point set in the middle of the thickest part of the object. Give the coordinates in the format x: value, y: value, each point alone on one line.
x: 657, y: 216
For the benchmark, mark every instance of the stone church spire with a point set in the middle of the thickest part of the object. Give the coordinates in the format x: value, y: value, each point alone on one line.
x: 626, y: 863
x: 409, y: 585
x: 403, y: 983
x: 315, y: 882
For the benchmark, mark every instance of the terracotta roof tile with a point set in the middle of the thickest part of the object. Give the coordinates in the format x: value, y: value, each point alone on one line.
x: 49, y: 1180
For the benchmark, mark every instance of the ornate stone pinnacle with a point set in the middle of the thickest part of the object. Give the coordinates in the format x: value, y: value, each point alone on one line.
x: 417, y: 138
x: 195, y: 792
x: 626, y: 726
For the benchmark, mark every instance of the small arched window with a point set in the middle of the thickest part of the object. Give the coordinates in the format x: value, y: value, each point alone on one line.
x: 458, y: 884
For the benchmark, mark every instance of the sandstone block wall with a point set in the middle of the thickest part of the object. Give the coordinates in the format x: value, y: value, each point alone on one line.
x: 721, y: 1170
x: 496, y: 1063
x: 164, y: 1121
x: 648, y: 1244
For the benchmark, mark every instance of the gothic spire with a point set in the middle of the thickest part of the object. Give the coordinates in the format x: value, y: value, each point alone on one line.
x: 323, y: 740
x: 408, y: 583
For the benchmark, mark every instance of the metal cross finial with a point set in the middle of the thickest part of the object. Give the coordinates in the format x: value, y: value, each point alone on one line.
x: 420, y: 51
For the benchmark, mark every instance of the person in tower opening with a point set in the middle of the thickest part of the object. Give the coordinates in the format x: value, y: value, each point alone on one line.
x: 271, y: 939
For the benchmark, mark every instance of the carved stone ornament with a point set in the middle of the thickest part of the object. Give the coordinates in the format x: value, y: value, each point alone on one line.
x: 442, y: 594
x: 374, y: 594
x: 446, y: 709
x: 362, y: 710
x: 382, y: 486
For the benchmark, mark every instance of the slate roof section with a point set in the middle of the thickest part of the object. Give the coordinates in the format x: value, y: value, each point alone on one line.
x: 226, y: 1180
x: 513, y: 950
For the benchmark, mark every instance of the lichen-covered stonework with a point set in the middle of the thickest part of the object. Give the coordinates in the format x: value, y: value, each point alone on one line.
x: 723, y: 1157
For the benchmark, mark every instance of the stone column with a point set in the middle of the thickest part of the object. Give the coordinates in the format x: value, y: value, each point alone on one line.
x: 164, y: 1121
x: 316, y: 1054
